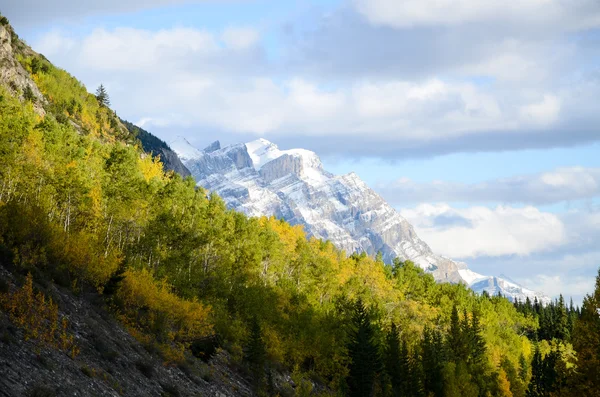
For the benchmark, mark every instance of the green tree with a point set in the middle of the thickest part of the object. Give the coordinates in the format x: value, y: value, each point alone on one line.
x: 523, y: 368
x: 433, y: 359
x: 28, y: 94
x: 476, y: 342
x: 255, y: 354
x: 102, y: 96
x: 586, y: 341
x: 457, y: 342
x: 536, y: 383
x: 365, y: 362
x: 393, y: 365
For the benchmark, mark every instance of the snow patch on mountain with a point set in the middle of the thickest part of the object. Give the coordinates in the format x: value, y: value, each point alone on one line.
x: 184, y: 149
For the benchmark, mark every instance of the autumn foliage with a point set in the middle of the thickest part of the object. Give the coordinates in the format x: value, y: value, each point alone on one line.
x: 38, y: 317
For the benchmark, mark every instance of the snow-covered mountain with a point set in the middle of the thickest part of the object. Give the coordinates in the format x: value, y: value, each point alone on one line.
x: 258, y: 179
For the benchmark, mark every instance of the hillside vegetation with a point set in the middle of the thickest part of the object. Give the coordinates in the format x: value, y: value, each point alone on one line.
x: 83, y: 205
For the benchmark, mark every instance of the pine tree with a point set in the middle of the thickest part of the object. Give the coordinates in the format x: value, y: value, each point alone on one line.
x: 523, y: 368
x: 392, y: 360
x: 433, y: 362
x: 405, y: 382
x: 457, y: 345
x: 255, y: 354
x: 365, y: 362
x: 102, y: 96
x: 549, y: 374
x: 415, y: 376
x: 586, y: 341
x: 536, y: 385
x: 562, y: 321
x: 528, y: 306
x: 476, y: 341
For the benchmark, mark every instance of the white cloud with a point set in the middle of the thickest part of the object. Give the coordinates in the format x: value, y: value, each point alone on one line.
x: 489, y: 232
x: 559, y: 185
x: 543, y: 112
x: 240, y: 38
x: 565, y: 14
x: 224, y: 81
x: 568, y: 286
x: 35, y: 12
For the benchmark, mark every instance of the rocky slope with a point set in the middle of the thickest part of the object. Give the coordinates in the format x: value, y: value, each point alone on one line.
x: 258, y: 178
x: 110, y: 363
x: 12, y: 75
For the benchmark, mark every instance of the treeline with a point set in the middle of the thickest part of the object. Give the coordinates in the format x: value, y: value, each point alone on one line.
x: 556, y: 320
x: 80, y: 203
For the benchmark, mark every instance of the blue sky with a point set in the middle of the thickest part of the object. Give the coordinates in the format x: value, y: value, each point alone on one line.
x: 477, y: 121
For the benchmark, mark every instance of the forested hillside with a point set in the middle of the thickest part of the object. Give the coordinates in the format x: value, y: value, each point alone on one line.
x: 81, y: 204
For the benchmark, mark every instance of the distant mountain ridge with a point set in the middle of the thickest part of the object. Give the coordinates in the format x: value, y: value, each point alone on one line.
x: 258, y: 178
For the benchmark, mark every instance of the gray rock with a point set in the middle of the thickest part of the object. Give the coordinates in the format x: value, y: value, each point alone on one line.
x: 12, y: 73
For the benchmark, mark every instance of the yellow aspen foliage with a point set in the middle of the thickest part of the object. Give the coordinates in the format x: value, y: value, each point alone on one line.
x: 95, y: 205
x: 38, y: 317
x: 150, y: 307
x: 82, y: 254
x: 151, y: 167
x: 503, y: 385
x: 33, y: 149
x: 288, y: 234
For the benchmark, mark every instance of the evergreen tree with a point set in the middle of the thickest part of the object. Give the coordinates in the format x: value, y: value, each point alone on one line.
x: 433, y: 362
x: 528, y: 306
x: 255, y: 354
x: 536, y: 305
x: 586, y: 341
x: 536, y: 384
x: 392, y: 360
x: 404, y: 389
x: 457, y: 345
x: 523, y: 368
x: 562, y: 321
x: 102, y: 96
x: 549, y: 374
x: 415, y: 376
x: 365, y: 362
x: 476, y: 341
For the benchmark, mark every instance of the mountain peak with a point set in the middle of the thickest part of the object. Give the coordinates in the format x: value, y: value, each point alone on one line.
x: 184, y: 149
x: 216, y: 145
x: 260, y: 179
x: 262, y: 151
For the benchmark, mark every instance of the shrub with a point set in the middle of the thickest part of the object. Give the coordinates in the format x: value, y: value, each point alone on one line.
x: 150, y: 306
x: 89, y: 372
x: 205, y: 348
x: 38, y: 317
x: 28, y: 94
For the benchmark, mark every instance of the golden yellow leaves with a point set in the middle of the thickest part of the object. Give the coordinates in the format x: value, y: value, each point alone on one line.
x: 150, y: 306
x: 38, y: 317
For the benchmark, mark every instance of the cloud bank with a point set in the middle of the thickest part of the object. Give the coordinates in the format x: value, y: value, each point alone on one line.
x: 378, y: 78
x: 563, y: 184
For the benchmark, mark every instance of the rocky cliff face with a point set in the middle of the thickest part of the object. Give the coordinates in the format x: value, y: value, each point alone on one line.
x: 12, y: 74
x: 258, y: 179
